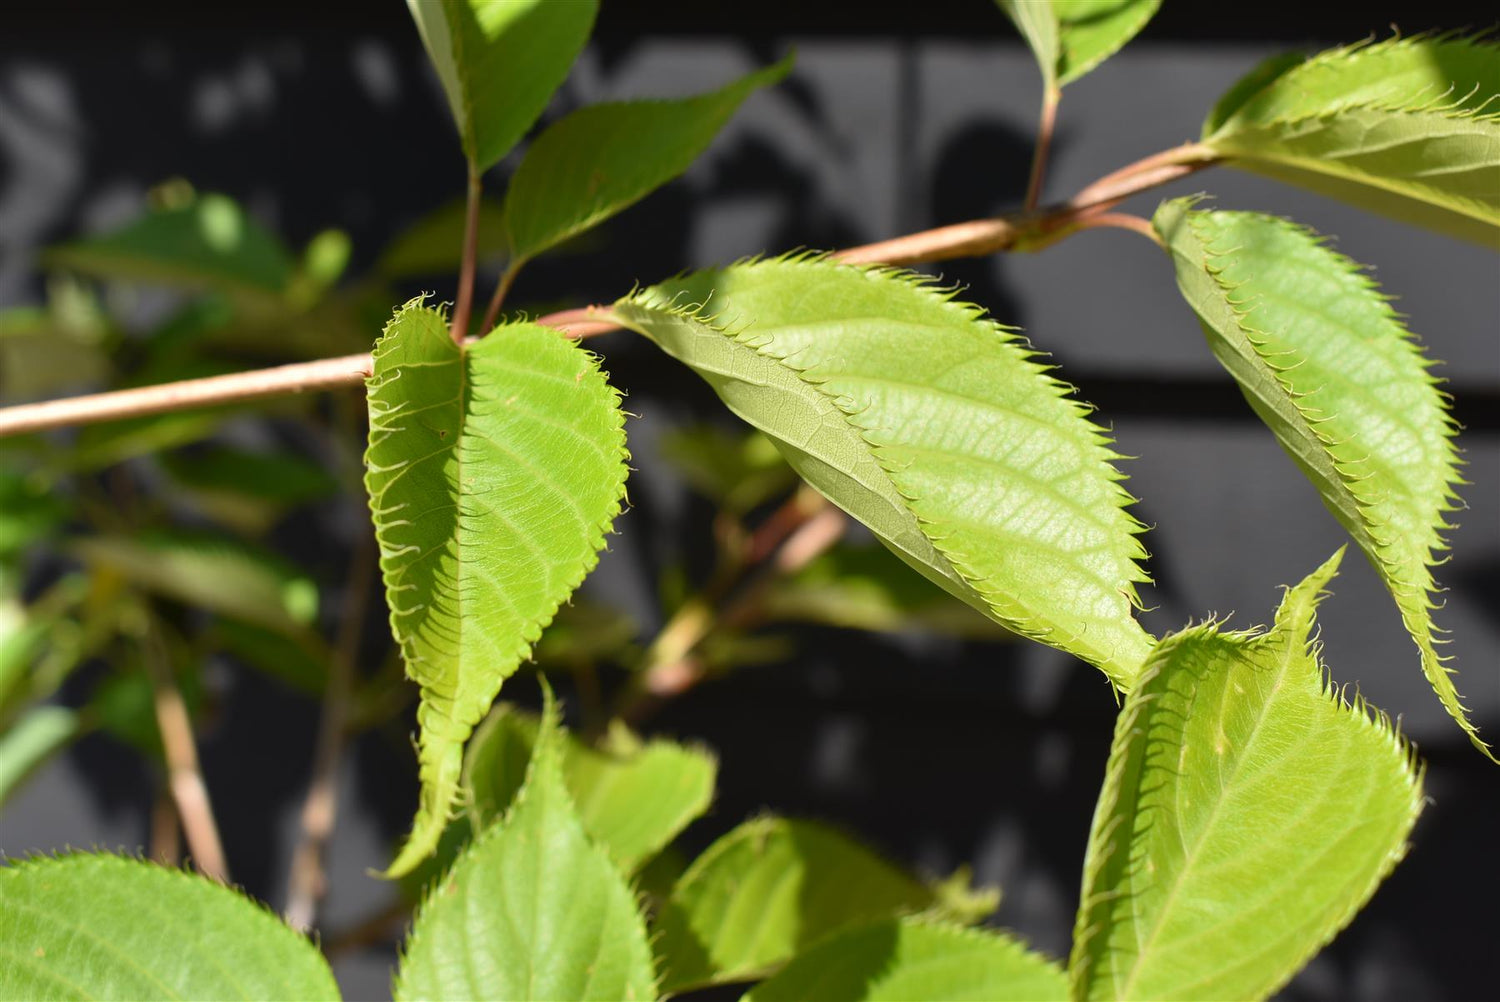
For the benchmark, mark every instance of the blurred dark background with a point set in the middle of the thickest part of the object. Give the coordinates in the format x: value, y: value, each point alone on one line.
x: 938, y: 751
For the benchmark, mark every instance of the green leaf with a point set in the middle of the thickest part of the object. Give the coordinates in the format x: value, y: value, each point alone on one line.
x: 433, y: 244
x: 739, y: 471
x: 1247, y: 813
x: 210, y: 572
x: 532, y: 909
x: 767, y: 890
x: 866, y: 588
x: 1071, y: 37
x: 102, y: 927
x: 500, y: 62
x: 599, y: 160
x: 30, y: 742
x: 899, y: 959
x: 934, y: 426
x: 210, y: 243
x: 632, y: 797
x: 494, y: 471
x: 1324, y: 360
x: 1409, y: 127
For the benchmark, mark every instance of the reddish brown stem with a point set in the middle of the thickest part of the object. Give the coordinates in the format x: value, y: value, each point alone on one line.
x: 1044, y: 129
x: 464, y: 304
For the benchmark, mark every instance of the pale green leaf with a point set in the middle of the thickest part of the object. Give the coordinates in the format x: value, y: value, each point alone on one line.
x: 900, y: 959
x: 500, y: 62
x: 1247, y: 813
x: 533, y: 909
x: 494, y: 471
x: 1326, y: 363
x: 1409, y: 127
x: 1036, y: 20
x: 210, y: 243
x: 934, y: 426
x: 216, y: 573
x: 28, y: 743
x: 632, y: 797
x: 1071, y: 37
x: 90, y: 926
x: 599, y: 160
x: 767, y: 890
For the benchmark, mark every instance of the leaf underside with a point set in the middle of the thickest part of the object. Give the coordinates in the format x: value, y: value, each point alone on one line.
x: 895, y: 960
x: 533, y: 909
x: 493, y: 472
x: 1407, y: 127
x: 1248, y: 812
x: 601, y: 159
x: 88, y: 926
x: 1326, y: 363
x: 1071, y: 37
x: 934, y: 426
x: 765, y: 891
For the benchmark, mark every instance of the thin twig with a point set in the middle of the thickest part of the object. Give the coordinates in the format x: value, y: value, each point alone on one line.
x: 1120, y: 220
x: 464, y: 304
x: 307, y: 882
x: 1045, y: 126
x: 502, y: 287
x: 184, y: 776
x: 971, y: 239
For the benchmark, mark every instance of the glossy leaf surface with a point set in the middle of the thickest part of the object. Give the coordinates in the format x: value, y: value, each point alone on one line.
x: 1248, y: 812
x: 896, y: 960
x: 762, y: 893
x: 102, y: 927
x: 500, y: 62
x: 533, y: 909
x: 599, y: 160
x: 1326, y: 363
x: 494, y: 471
x: 1409, y: 127
x: 934, y: 426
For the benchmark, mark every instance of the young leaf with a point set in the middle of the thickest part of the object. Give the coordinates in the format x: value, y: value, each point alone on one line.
x: 532, y: 909
x: 1247, y: 813
x: 632, y: 797
x: 500, y: 62
x: 209, y: 244
x: 1324, y: 360
x: 494, y: 471
x: 931, y: 424
x: 30, y: 742
x: 762, y: 893
x: 1071, y: 37
x: 102, y: 927
x: 906, y: 958
x: 1409, y: 127
x: 604, y: 158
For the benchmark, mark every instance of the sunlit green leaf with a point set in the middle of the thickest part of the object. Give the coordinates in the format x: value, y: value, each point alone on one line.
x: 1248, y: 812
x: 500, y: 62
x: 934, y: 426
x: 209, y: 572
x: 1326, y: 363
x: 900, y: 959
x: 632, y: 797
x: 601, y: 159
x: 1409, y: 127
x: 533, y: 909
x: 101, y: 927
x: 494, y: 471
x: 210, y: 243
x: 766, y: 891
x: 1070, y: 37
x: 30, y: 742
